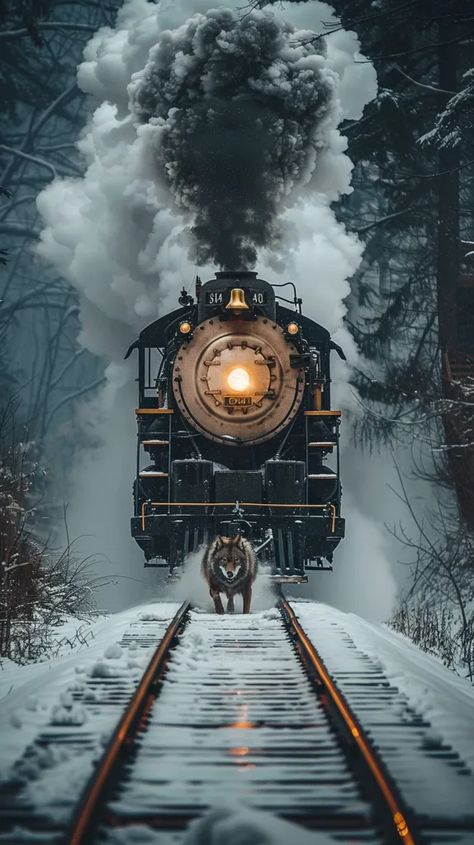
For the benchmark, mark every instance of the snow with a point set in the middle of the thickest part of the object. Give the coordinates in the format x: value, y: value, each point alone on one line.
x: 235, y: 824
x: 230, y: 824
x: 33, y: 695
x: 113, y: 652
x: 68, y: 715
x: 441, y: 696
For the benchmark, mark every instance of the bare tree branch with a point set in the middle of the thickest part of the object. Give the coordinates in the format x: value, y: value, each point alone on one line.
x: 39, y: 161
x: 71, y: 397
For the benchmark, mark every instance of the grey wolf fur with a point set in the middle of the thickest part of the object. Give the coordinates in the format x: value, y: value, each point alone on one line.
x: 230, y: 567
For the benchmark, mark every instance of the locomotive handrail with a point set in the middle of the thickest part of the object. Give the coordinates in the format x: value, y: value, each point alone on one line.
x: 330, y: 507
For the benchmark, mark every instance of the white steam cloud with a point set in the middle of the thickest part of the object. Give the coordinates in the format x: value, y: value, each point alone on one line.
x: 121, y: 234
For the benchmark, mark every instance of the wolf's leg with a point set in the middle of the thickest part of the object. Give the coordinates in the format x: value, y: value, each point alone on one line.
x: 247, y: 596
x: 230, y: 604
x: 216, y: 596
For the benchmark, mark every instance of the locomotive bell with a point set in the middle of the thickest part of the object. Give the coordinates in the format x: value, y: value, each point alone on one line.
x: 237, y: 300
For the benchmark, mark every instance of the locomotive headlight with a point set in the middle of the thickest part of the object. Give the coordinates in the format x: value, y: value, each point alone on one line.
x: 238, y: 379
x: 292, y: 328
x: 185, y: 327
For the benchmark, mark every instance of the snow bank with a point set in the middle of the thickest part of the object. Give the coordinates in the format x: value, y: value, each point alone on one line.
x: 40, y: 694
x: 443, y: 698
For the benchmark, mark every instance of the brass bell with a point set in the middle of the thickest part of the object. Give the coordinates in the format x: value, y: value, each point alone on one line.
x: 237, y: 300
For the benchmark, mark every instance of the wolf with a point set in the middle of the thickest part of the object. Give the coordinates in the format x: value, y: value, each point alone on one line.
x: 229, y: 566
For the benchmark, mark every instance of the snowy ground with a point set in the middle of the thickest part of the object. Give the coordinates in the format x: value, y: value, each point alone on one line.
x: 31, y: 695
x: 43, y: 697
x: 438, y: 694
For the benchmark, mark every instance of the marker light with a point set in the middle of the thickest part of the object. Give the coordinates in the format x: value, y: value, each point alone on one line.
x: 238, y: 379
x: 185, y: 327
x: 292, y: 328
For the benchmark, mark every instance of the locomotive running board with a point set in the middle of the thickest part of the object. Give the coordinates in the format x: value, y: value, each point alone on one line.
x: 288, y: 579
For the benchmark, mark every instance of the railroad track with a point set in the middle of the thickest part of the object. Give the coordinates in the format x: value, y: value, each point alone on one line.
x: 242, y: 708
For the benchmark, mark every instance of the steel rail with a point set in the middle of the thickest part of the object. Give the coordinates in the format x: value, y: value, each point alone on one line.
x: 94, y: 794
x: 402, y: 827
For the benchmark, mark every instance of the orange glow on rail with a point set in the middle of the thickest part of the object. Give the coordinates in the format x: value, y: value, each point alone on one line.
x: 401, y: 825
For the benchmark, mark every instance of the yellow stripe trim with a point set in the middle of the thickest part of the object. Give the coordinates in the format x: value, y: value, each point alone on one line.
x: 323, y: 413
x: 154, y: 411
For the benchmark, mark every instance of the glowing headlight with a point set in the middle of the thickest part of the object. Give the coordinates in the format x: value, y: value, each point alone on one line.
x: 238, y: 379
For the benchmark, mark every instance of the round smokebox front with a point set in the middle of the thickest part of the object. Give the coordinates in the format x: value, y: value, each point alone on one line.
x: 233, y: 380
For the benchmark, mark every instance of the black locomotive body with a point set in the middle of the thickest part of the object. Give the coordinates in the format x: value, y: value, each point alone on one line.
x: 235, y: 417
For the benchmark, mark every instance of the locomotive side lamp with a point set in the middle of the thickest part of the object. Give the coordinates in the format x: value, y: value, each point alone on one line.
x: 237, y: 301
x: 292, y: 328
x: 238, y: 379
x: 185, y: 327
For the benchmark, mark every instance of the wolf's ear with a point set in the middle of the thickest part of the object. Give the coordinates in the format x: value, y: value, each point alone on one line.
x: 219, y: 542
x: 238, y: 541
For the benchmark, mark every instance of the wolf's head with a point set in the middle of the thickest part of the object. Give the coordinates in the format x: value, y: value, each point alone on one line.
x: 229, y: 557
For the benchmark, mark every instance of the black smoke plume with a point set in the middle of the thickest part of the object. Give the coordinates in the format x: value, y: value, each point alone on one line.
x: 239, y: 106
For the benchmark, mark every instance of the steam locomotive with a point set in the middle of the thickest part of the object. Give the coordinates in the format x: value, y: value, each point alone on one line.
x: 234, y: 412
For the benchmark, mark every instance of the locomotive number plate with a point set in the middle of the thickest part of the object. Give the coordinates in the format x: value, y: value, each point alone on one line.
x: 237, y: 401
x: 215, y: 297
x: 220, y: 297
